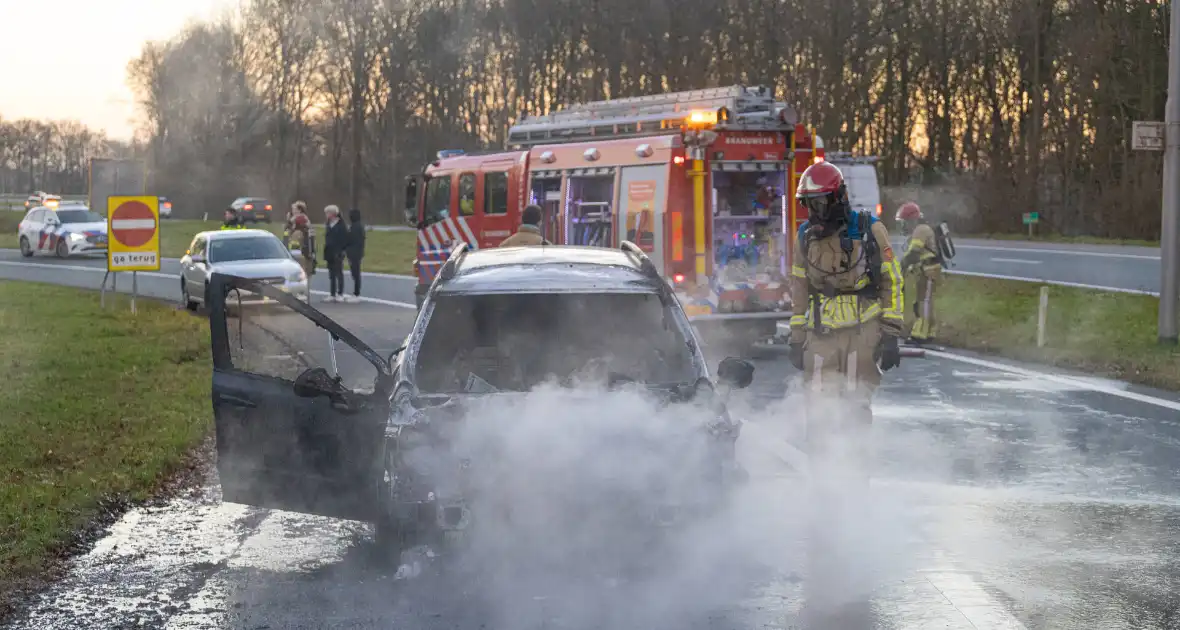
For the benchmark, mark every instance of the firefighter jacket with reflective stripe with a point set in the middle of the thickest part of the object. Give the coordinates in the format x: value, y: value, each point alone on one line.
x: 525, y: 236
x: 922, y: 252
x: 847, y: 281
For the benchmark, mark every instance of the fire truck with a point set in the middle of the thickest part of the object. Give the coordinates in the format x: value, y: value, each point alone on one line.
x: 702, y: 181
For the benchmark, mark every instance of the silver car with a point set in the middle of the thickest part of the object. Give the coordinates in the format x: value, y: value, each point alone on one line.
x: 252, y: 254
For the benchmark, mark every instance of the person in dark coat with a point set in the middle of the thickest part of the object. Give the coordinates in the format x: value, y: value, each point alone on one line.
x: 355, y: 251
x: 335, y: 247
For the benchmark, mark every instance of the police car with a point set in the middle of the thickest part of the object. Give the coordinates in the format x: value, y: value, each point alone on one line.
x: 63, y: 230
x: 40, y: 198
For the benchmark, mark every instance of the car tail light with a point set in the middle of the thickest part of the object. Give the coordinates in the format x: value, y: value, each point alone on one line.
x: 678, y: 278
x: 248, y: 206
x: 267, y: 208
x: 168, y: 204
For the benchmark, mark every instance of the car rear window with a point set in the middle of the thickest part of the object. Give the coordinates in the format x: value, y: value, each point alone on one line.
x: 516, y: 342
x: 246, y: 248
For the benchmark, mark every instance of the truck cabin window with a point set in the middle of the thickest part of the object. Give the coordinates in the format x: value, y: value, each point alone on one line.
x: 517, y: 342
x: 438, y: 199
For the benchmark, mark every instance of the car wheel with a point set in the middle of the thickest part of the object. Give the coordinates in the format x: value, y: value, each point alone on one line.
x: 189, y: 303
x: 26, y: 249
x: 63, y: 248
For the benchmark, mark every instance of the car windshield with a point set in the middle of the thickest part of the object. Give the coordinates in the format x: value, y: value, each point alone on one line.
x: 79, y: 216
x: 248, y: 248
x: 516, y: 342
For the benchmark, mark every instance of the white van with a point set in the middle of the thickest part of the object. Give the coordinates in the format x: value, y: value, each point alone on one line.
x: 860, y: 175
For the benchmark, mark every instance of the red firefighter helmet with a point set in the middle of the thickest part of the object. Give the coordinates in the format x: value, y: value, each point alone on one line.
x: 909, y: 211
x: 822, y: 191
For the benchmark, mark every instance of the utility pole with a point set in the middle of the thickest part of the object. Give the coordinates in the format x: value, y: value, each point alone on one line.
x: 1170, y: 224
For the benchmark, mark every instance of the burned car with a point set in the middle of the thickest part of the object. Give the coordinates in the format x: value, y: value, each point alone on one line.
x: 417, y: 450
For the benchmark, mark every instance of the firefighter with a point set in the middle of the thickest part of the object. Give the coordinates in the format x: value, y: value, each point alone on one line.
x: 529, y: 232
x: 297, y: 209
x: 301, y: 242
x: 846, y: 285
x: 923, y: 260
x: 232, y: 221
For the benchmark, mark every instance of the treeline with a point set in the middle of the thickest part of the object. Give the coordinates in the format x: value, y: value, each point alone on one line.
x: 1004, y: 106
x: 49, y: 155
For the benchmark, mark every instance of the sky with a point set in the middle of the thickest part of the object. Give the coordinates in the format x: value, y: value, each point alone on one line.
x: 67, y: 59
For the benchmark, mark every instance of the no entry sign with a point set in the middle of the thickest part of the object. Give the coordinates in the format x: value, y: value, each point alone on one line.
x: 134, y: 227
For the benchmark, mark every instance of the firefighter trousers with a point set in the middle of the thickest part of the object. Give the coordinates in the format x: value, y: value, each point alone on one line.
x: 840, y: 377
x: 925, y: 324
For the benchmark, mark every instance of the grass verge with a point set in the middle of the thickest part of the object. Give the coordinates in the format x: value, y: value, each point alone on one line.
x: 385, y: 252
x: 100, y: 409
x: 1106, y: 334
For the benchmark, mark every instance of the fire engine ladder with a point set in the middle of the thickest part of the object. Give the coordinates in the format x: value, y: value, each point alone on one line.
x: 750, y: 108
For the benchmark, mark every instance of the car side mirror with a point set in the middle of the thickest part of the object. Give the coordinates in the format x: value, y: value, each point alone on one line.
x: 314, y: 382
x: 736, y: 373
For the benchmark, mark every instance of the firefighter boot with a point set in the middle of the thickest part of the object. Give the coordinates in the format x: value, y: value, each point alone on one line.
x: 924, y: 326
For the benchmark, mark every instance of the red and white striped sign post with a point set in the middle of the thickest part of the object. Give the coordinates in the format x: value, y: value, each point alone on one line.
x: 133, y: 226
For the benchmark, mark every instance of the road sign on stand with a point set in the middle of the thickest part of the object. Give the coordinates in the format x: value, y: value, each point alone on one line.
x: 1031, y: 219
x: 1147, y: 135
x: 133, y: 226
x: 133, y: 239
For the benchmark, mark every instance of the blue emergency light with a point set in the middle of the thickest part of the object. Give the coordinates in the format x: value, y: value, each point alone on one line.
x: 449, y: 153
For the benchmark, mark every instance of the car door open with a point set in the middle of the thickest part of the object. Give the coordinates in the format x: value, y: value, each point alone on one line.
x: 300, y: 405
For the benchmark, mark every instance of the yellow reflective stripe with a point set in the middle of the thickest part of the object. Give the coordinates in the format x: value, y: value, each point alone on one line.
x: 798, y: 272
x: 798, y: 320
x: 894, y: 309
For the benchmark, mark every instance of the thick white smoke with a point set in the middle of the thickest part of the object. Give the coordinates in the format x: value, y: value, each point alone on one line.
x: 554, y: 473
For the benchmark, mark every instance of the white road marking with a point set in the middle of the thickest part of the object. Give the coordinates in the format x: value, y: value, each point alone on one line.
x: 156, y: 274
x: 375, y: 301
x: 1019, y: 261
x: 367, y: 274
x: 1076, y: 383
x: 973, y: 603
x: 150, y: 274
x: 1065, y: 252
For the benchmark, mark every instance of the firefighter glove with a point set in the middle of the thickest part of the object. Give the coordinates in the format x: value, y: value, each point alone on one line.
x: 795, y: 354
x: 888, y: 354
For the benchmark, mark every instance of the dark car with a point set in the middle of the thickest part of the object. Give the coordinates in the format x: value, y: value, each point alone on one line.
x: 324, y: 441
x: 253, y: 209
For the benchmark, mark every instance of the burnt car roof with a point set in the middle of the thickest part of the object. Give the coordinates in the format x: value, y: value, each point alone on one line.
x: 556, y: 268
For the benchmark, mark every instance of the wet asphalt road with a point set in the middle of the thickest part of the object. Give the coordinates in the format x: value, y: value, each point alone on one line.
x: 1001, y: 500
x: 1110, y: 266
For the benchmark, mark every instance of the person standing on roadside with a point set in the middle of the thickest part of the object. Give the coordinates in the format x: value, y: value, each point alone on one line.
x: 923, y: 260
x: 529, y: 232
x: 301, y: 242
x: 355, y: 252
x: 232, y: 220
x: 335, y: 247
x: 297, y: 208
